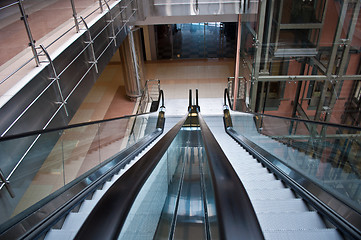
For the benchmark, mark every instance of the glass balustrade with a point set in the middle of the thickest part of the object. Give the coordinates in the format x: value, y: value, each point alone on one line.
x: 172, y: 201
x: 328, y: 155
x: 38, y: 165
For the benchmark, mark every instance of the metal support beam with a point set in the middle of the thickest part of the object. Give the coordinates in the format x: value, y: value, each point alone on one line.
x: 344, y: 59
x: 290, y: 78
x: 331, y: 63
x: 318, y: 64
x: 269, y: 29
x: 258, y: 44
x: 293, y: 26
x: 295, y: 102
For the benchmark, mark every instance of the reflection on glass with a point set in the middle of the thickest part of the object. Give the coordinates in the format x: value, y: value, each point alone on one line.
x: 39, y: 165
x: 327, y: 155
x: 173, y: 201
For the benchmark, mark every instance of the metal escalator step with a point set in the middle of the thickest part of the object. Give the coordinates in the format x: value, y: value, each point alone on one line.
x: 115, y: 177
x: 256, y: 194
x: 290, y: 221
x: 242, y: 168
x: 74, y: 221
x: 98, y: 194
x: 107, y: 185
x: 279, y: 205
x: 87, y: 206
x: 263, y: 177
x: 57, y: 234
x: 319, y: 234
x: 277, y: 184
x: 242, y: 158
x: 251, y: 171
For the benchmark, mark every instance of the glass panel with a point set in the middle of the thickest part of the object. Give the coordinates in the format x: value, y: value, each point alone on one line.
x: 196, y: 40
x: 295, y: 11
x: 172, y: 201
x: 327, y: 155
x: 37, y: 166
x: 300, y: 38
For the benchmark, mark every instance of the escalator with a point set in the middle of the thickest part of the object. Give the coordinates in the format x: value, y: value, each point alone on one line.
x: 201, y: 179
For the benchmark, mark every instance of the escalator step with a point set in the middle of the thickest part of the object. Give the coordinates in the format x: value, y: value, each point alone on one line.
x: 319, y: 234
x: 263, y: 177
x: 256, y: 194
x: 74, y: 221
x: 277, y: 184
x: 287, y: 221
x: 56, y: 234
x: 280, y: 205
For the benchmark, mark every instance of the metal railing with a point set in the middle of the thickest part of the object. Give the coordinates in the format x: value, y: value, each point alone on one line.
x: 241, y: 91
x: 151, y: 93
x: 56, y: 76
x: 37, y: 51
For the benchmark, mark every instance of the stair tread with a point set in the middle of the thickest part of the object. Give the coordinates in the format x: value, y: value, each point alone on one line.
x: 309, y: 234
x: 279, y: 205
x: 287, y: 221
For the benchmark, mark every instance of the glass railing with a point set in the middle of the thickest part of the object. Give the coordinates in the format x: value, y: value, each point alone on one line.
x: 326, y: 154
x: 37, y: 165
x: 175, y: 198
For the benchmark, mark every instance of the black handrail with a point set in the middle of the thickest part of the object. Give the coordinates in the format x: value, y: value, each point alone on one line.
x: 190, y: 99
x: 226, y: 97
x: 108, y: 216
x: 296, y: 119
x: 236, y: 216
x: 161, y: 97
x: 36, y: 132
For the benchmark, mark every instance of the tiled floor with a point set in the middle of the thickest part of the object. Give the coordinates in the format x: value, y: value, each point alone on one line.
x: 178, y: 76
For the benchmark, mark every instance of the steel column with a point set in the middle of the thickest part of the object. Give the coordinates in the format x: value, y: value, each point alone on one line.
x: 344, y: 59
x: 331, y: 63
x: 268, y: 35
x: 258, y: 44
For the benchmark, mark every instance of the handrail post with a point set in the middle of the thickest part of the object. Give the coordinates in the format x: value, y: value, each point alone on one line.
x: 75, y: 16
x: 190, y: 99
x: 24, y: 17
x: 91, y: 42
x: 197, y: 105
x: 111, y: 21
x: 101, y: 6
x: 56, y: 78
